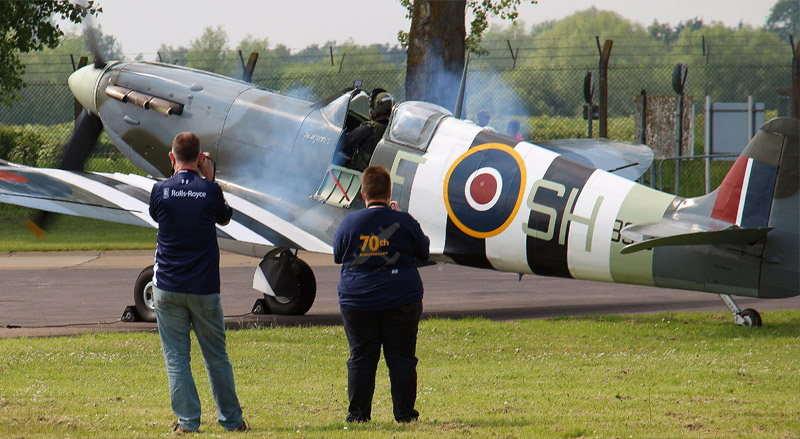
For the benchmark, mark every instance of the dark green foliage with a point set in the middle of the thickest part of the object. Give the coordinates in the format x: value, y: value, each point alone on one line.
x: 784, y: 19
x: 27, y: 148
x: 27, y: 26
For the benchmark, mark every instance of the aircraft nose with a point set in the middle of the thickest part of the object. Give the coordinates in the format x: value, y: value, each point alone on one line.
x: 83, y: 84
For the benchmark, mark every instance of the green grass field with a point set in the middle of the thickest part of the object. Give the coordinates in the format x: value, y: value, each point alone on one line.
x: 72, y: 233
x: 664, y: 376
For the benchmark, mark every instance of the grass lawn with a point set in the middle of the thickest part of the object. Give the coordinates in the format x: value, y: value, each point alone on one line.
x: 663, y: 376
x: 68, y: 232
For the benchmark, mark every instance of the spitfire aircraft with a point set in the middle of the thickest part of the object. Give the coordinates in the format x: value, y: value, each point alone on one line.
x: 567, y: 208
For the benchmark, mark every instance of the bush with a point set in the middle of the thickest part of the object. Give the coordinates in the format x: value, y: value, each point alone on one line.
x: 26, y: 147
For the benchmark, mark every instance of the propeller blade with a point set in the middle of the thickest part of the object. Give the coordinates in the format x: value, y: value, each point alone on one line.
x: 37, y: 224
x: 87, y: 130
x: 94, y: 43
x: 84, y: 138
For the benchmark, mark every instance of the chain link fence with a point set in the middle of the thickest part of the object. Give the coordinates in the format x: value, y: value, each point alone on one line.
x: 546, y: 98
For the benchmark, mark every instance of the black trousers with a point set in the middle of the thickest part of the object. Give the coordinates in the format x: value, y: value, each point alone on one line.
x: 396, y: 330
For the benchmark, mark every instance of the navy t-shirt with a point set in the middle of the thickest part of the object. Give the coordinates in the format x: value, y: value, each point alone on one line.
x: 187, y: 208
x: 378, y: 248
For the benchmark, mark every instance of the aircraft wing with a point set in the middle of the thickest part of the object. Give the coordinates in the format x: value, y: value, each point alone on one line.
x: 693, y: 231
x: 125, y: 198
x: 628, y: 160
x: 84, y: 194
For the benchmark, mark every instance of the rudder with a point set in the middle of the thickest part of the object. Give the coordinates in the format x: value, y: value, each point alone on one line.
x: 762, y: 189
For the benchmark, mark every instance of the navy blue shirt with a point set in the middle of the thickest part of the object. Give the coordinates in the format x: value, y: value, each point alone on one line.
x: 378, y: 248
x: 187, y: 208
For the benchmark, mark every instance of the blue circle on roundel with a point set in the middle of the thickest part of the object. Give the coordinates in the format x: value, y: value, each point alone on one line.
x: 495, y: 215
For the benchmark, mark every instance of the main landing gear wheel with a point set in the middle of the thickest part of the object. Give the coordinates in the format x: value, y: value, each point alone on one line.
x: 296, y: 306
x: 143, y: 295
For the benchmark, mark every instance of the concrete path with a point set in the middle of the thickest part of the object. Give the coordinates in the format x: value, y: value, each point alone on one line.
x: 65, y: 293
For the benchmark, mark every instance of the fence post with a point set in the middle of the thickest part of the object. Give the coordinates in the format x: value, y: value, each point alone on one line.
x: 707, y: 132
x: 795, y: 78
x: 513, y: 55
x: 605, y: 54
x: 679, y: 74
x: 643, y: 135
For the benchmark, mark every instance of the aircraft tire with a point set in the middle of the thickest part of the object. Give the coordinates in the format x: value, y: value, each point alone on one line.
x: 296, y: 306
x: 143, y: 295
x: 751, y: 317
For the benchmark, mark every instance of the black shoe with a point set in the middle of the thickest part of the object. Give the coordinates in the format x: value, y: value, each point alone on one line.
x: 244, y: 427
x: 408, y: 419
x: 180, y: 430
x: 353, y: 418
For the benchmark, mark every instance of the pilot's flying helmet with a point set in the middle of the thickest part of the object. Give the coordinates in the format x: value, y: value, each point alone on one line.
x: 380, y: 102
x: 374, y: 93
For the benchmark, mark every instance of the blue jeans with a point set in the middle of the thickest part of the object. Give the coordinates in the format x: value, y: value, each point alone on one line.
x: 396, y: 330
x: 177, y: 313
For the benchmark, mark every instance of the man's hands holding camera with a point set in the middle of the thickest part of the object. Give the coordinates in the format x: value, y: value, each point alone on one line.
x: 206, y: 166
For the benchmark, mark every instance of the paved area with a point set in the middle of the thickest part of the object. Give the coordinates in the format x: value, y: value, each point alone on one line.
x: 64, y: 293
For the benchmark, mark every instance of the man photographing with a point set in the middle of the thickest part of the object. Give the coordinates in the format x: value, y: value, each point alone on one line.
x: 186, y: 285
x: 380, y: 295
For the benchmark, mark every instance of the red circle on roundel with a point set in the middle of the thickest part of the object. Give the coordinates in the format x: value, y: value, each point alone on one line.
x: 483, y: 188
x: 12, y: 178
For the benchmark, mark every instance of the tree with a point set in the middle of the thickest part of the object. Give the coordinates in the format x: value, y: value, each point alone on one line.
x: 665, y: 33
x: 438, y: 39
x: 210, y: 52
x: 662, y: 32
x: 172, y: 55
x: 46, y: 99
x: 739, y: 61
x: 27, y: 26
x: 109, y: 47
x: 784, y: 19
x: 562, y: 54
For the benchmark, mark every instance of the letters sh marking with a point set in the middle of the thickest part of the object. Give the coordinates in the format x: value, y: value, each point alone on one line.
x: 552, y: 213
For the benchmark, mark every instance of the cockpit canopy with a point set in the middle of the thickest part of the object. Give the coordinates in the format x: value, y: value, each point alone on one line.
x: 413, y: 123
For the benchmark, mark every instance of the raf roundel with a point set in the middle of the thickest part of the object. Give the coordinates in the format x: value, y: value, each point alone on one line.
x: 483, y: 189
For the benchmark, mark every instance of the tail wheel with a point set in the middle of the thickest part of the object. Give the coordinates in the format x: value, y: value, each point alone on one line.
x: 308, y: 292
x: 143, y: 295
x: 751, y: 317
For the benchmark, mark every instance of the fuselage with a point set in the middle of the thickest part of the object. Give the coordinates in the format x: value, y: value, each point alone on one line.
x: 485, y: 200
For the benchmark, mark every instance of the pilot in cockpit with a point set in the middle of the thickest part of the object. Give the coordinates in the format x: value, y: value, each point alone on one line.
x: 360, y: 143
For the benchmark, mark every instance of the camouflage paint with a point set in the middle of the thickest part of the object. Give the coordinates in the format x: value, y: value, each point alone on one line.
x: 641, y: 205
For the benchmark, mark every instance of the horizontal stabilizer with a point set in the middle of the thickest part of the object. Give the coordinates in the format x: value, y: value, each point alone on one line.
x: 628, y: 160
x: 708, y: 232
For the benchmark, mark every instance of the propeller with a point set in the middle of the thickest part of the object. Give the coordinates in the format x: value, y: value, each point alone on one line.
x: 94, y: 43
x: 88, y: 128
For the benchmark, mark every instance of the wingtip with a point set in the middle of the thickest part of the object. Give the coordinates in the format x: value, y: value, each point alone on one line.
x: 35, y: 230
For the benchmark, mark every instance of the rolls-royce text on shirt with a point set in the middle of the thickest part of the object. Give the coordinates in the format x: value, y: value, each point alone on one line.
x: 187, y: 208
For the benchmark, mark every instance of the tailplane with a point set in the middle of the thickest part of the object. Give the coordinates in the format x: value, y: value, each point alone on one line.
x: 757, y: 203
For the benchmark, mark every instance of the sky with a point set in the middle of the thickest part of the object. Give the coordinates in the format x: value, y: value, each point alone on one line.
x: 141, y: 26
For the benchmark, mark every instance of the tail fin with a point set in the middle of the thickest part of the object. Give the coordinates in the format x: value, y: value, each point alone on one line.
x: 762, y: 189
